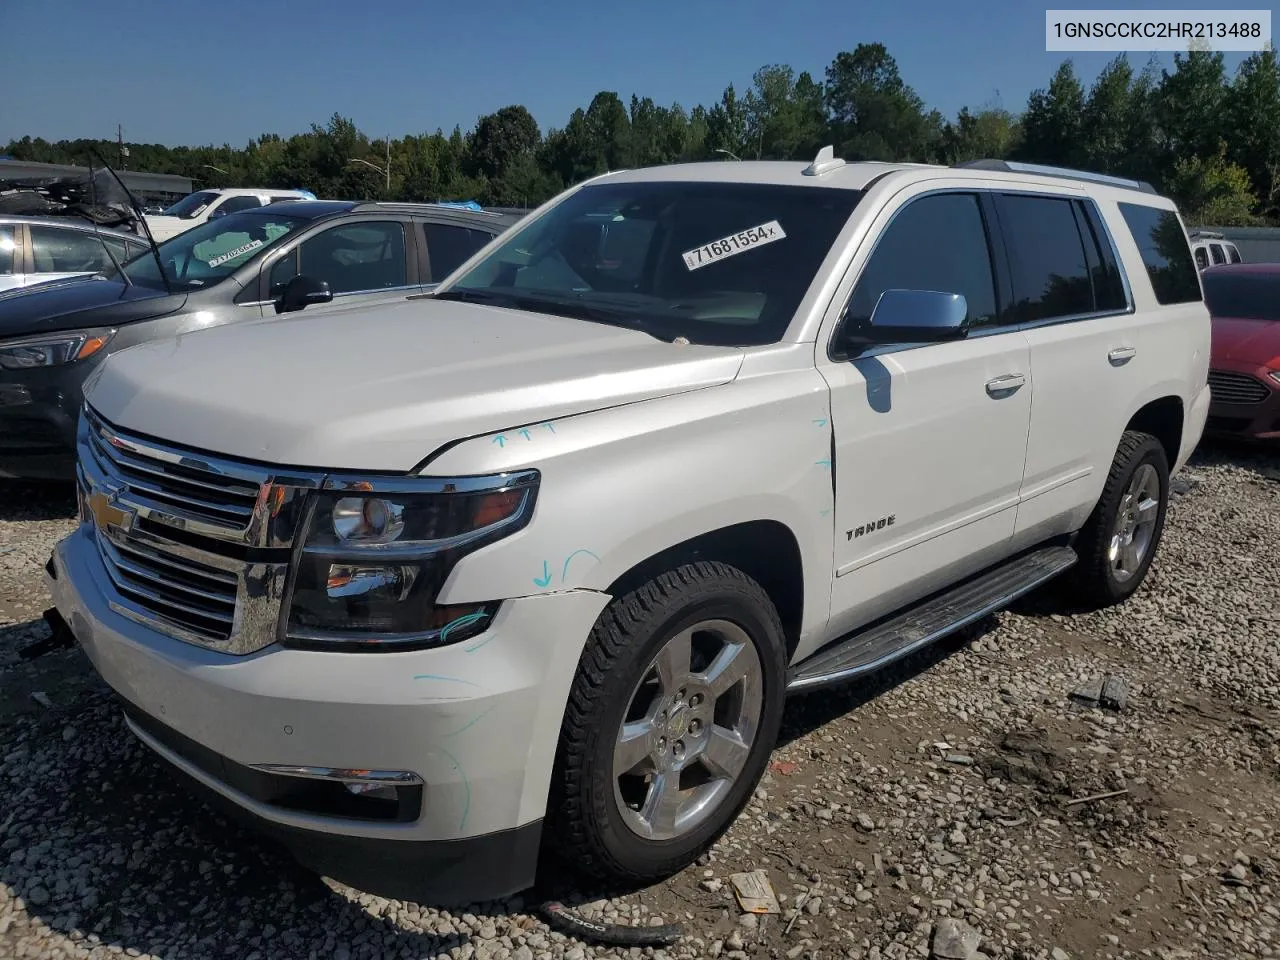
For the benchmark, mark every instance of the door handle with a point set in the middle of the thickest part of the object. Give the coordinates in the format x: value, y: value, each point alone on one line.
x: 1006, y: 384
x: 1121, y: 355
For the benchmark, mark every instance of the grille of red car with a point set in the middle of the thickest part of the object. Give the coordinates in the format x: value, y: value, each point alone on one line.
x: 1236, y: 387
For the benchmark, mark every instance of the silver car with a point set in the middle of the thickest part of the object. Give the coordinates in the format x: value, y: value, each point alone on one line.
x: 36, y: 249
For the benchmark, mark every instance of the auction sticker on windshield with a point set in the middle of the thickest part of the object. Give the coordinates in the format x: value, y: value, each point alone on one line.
x: 733, y: 244
x: 238, y: 251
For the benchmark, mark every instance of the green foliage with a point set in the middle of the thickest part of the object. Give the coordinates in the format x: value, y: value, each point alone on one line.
x: 1213, y: 190
x: 1211, y: 141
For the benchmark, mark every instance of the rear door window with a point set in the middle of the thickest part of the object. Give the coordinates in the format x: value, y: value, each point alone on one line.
x: 1233, y: 253
x: 1051, y: 275
x: 449, y: 246
x: 1166, y: 252
x: 1215, y: 251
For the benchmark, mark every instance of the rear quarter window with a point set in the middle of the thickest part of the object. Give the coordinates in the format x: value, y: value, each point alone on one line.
x: 1165, y: 251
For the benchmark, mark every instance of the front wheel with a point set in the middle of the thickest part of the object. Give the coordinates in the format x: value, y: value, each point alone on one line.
x: 672, y: 716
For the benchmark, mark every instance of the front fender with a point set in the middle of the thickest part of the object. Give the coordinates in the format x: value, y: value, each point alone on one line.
x: 621, y: 485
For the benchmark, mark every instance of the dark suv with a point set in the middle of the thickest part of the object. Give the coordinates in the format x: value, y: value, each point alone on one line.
x: 320, y: 255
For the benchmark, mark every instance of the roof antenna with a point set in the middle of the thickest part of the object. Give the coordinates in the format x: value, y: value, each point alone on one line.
x: 824, y: 162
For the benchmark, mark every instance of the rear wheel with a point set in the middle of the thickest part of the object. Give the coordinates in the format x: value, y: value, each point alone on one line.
x: 670, y: 722
x: 1119, y: 541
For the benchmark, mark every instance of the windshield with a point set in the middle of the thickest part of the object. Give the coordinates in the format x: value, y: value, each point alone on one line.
x: 717, y: 263
x: 191, y: 205
x: 209, y: 253
x: 1248, y: 296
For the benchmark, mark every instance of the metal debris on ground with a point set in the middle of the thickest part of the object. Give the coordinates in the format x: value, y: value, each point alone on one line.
x: 1109, y: 692
x: 755, y: 892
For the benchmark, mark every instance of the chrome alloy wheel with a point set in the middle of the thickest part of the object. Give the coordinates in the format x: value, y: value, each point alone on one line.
x: 1135, y: 523
x: 688, y: 730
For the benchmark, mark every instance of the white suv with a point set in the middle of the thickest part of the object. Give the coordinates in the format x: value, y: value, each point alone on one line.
x: 533, y: 561
x: 196, y: 208
x: 1211, y: 248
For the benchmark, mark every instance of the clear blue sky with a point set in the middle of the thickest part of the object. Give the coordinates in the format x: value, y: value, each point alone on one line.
x: 186, y: 73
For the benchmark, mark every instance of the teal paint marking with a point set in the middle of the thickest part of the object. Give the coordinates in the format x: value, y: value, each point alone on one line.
x: 524, y: 432
x: 500, y: 440
x: 821, y: 423
x: 823, y: 513
x: 473, y: 721
x: 564, y: 575
x: 462, y: 621
x: 484, y: 638
x: 823, y: 463
x: 550, y: 427
x: 436, y: 676
x: 543, y: 580
x: 466, y: 784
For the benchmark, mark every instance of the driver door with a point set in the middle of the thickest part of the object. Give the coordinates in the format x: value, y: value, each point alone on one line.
x: 365, y: 262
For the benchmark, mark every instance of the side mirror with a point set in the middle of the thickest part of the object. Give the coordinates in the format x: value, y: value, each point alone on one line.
x: 917, y: 316
x: 302, y: 291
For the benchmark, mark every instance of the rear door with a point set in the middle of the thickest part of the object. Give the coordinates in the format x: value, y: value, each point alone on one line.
x: 1072, y: 303
x: 364, y: 261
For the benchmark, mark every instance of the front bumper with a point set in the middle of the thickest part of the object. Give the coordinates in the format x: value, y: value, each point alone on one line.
x: 477, y: 721
x: 1248, y: 421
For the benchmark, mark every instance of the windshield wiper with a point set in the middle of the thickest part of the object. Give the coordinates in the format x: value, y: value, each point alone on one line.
x: 573, y: 308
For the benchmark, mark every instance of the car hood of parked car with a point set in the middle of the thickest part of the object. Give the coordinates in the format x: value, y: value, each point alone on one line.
x: 81, y: 302
x: 1245, y: 340
x: 361, y: 389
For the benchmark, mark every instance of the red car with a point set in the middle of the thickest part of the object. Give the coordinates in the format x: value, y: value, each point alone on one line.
x: 1244, y: 366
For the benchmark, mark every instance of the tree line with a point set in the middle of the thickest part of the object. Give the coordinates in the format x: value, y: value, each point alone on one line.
x: 1209, y: 139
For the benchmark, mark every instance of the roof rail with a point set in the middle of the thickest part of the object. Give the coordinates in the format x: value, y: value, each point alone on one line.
x: 1013, y: 166
x: 824, y: 162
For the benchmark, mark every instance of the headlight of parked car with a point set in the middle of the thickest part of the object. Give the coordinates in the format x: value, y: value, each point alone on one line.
x: 377, y: 552
x: 53, y: 350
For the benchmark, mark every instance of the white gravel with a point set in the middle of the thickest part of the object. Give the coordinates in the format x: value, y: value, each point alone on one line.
x: 925, y: 814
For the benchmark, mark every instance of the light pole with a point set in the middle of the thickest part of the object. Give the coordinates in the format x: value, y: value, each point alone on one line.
x: 728, y: 153
x: 210, y: 166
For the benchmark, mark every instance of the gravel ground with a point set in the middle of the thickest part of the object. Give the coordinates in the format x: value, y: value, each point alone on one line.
x: 928, y: 812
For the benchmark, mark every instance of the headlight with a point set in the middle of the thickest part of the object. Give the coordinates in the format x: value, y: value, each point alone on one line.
x: 53, y: 350
x: 377, y: 552
x: 1274, y: 375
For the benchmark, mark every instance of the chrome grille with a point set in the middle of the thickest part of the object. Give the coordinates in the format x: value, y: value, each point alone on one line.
x: 211, y: 499
x: 189, y: 595
x: 193, y: 546
x: 1229, y: 387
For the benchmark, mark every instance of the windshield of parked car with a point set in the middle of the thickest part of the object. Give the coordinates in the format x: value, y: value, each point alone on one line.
x: 717, y: 263
x: 205, y: 255
x: 191, y: 205
x: 1248, y: 296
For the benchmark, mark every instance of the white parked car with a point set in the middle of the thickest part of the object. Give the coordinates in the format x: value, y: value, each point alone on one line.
x: 1211, y: 248
x: 195, y: 208
x: 533, y: 561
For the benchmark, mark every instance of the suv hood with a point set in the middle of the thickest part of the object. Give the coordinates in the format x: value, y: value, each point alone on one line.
x: 1246, y: 340
x: 380, y: 390
x: 81, y: 302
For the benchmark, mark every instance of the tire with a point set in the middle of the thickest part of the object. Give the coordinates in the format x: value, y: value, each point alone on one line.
x: 1139, y: 472
x: 592, y: 814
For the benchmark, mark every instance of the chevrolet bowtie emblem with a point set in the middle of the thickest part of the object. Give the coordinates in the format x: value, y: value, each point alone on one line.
x: 107, y: 512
